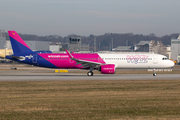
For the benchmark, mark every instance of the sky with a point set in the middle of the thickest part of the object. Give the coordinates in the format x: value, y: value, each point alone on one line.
x: 86, y: 17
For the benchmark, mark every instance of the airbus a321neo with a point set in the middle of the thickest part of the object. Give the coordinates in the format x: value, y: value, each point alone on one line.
x: 106, y: 63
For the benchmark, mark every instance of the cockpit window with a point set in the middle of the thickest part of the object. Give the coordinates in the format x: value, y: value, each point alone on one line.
x: 164, y: 58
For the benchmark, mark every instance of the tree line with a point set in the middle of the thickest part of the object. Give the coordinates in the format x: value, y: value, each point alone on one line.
x: 104, y: 42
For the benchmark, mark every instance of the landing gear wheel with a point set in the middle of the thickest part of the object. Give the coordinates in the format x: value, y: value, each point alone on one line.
x: 90, y: 73
x: 154, y: 72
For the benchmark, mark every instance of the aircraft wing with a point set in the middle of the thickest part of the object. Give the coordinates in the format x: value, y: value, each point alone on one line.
x: 84, y: 63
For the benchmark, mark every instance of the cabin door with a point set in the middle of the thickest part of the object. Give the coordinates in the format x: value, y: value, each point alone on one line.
x: 155, y: 59
x: 34, y: 60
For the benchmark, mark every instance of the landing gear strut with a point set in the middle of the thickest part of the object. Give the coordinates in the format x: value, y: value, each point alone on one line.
x: 154, y: 72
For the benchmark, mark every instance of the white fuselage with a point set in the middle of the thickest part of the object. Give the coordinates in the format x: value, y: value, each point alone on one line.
x: 137, y: 60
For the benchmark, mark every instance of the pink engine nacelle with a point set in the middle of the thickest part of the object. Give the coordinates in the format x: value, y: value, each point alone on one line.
x: 107, y: 69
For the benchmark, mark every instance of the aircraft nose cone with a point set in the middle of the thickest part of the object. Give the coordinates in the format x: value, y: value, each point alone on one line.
x: 171, y: 63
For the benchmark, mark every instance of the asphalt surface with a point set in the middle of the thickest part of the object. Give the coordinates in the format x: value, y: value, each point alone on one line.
x: 31, y: 73
x: 49, y: 75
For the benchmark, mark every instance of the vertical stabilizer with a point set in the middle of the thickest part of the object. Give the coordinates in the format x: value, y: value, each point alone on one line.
x: 178, y: 37
x: 18, y: 44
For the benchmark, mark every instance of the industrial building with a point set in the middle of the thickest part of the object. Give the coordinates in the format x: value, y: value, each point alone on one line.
x: 2, y: 40
x: 55, y: 48
x: 123, y: 49
x: 37, y: 45
x: 34, y: 45
x: 168, y: 51
x: 146, y: 46
x: 175, y: 48
x: 76, y: 45
x: 142, y: 46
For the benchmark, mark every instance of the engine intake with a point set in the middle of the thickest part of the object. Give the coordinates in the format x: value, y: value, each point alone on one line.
x: 107, y: 69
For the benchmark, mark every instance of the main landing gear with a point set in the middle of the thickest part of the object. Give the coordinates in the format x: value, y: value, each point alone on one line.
x: 90, y: 73
x: 154, y: 72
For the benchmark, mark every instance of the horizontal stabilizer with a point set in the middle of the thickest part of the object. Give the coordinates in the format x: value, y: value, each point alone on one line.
x: 16, y: 57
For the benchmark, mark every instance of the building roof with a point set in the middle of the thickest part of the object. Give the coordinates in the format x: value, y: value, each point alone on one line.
x: 123, y: 48
x: 144, y: 43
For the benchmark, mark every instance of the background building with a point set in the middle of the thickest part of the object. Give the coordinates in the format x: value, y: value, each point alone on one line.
x: 123, y: 49
x: 168, y: 51
x: 162, y: 49
x: 37, y: 45
x: 34, y: 45
x: 175, y: 48
x: 2, y: 40
x: 55, y: 48
x: 143, y: 46
x: 147, y: 46
x: 76, y: 45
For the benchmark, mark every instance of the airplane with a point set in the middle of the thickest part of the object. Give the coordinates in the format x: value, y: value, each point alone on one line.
x: 106, y: 63
x: 4, y: 52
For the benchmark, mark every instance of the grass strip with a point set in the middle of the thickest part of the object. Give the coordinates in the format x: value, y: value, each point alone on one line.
x: 39, y: 100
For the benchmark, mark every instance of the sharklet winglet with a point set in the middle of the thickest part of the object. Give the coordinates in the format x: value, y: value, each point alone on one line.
x: 70, y: 56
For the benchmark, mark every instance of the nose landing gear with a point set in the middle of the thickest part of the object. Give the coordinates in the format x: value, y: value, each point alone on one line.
x: 154, y: 72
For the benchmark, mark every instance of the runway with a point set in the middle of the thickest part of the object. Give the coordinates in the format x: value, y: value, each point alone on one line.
x: 31, y: 75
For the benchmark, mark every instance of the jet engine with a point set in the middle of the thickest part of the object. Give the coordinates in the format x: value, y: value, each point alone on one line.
x: 107, y: 69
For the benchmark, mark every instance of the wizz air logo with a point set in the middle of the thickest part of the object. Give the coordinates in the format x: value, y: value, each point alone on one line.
x: 137, y: 59
x: 29, y: 57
